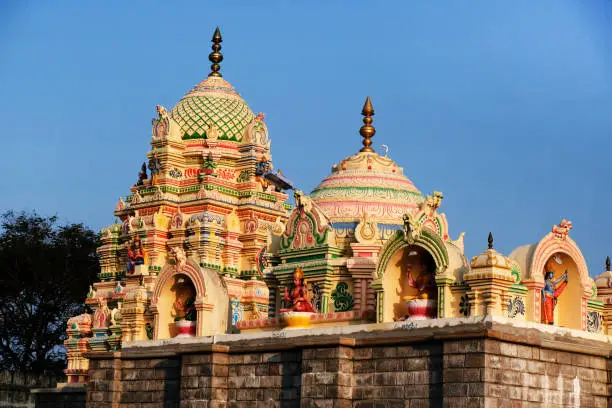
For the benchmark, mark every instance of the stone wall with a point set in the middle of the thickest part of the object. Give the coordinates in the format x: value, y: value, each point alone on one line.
x: 464, y: 363
x: 15, y: 388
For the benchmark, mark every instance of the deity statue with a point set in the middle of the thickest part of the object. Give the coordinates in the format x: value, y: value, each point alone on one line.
x: 102, y: 315
x: 212, y: 133
x: 155, y: 167
x: 162, y: 113
x: 298, y: 299
x: 135, y: 254
x: 552, y: 289
x: 184, y: 304
x: 179, y: 256
x: 142, y: 175
x: 424, y: 282
x: 263, y: 167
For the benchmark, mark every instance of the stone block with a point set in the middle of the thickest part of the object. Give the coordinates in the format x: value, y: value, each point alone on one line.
x: 366, y: 379
x: 454, y: 360
x: 384, y: 352
x: 363, y: 353
x: 363, y: 366
x: 454, y: 389
x: 309, y: 366
x: 197, y: 358
x: 384, y: 365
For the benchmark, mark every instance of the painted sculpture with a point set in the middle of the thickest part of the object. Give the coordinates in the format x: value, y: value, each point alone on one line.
x: 211, y: 255
x: 297, y: 298
x: 135, y: 254
x: 142, y: 175
x: 184, y: 312
x: 421, y: 291
x: 155, y: 167
x: 552, y: 289
x: 299, y: 312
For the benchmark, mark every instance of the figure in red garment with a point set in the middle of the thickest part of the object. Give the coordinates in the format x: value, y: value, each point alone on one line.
x: 135, y: 255
x: 298, y: 298
x: 551, y: 291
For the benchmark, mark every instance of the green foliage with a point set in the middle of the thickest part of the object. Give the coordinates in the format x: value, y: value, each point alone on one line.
x: 45, y: 271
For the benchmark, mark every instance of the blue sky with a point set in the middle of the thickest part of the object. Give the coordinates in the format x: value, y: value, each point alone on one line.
x: 505, y: 106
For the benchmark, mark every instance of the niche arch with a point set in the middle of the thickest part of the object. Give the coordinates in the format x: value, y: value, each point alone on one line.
x: 389, y: 271
x: 211, y: 300
x: 571, y: 308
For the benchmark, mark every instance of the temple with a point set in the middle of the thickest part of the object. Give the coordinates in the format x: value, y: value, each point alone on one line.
x: 207, y: 246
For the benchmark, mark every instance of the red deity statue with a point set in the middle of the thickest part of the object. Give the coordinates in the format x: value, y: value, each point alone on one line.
x: 298, y: 298
x: 135, y: 254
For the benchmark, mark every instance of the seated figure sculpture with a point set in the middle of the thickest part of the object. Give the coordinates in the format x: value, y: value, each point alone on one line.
x: 297, y: 298
x: 135, y: 254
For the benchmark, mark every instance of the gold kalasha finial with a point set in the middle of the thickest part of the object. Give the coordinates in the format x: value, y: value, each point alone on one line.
x: 216, y: 57
x: 367, y: 130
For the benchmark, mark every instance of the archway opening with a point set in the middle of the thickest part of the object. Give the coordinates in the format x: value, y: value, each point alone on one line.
x: 562, y: 298
x: 176, y: 305
x: 409, y: 285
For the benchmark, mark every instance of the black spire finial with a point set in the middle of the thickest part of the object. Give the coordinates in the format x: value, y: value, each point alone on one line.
x: 490, y: 239
x: 216, y: 57
x: 607, y: 263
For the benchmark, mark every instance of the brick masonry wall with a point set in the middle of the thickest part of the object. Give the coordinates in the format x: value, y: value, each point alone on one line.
x: 411, y: 369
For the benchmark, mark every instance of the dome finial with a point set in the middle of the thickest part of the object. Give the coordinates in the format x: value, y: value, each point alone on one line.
x: 607, y: 263
x: 216, y: 57
x: 490, y: 239
x: 367, y: 130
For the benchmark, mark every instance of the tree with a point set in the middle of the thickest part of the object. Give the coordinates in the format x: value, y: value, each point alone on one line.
x: 45, y: 271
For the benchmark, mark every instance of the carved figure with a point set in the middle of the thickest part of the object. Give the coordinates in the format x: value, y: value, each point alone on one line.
x: 209, y: 165
x: 155, y: 167
x: 162, y: 113
x: 434, y: 201
x: 142, y: 175
x: 302, y: 201
x: 184, y: 304
x: 552, y: 289
x: 264, y: 166
x: 102, y: 315
x: 562, y: 230
x: 135, y: 253
x: 298, y: 297
x: 212, y: 133
x: 424, y: 281
x: 412, y: 229
x: 179, y: 256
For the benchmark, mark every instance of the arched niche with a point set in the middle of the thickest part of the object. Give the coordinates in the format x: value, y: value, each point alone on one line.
x: 211, y: 300
x: 568, y: 310
x: 410, y: 275
x: 426, y: 253
x: 571, y: 307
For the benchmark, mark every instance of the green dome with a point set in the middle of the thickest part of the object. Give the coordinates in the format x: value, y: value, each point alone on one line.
x: 214, y: 101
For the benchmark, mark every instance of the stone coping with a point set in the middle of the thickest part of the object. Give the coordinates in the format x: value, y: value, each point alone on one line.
x: 61, y: 388
x: 408, y: 331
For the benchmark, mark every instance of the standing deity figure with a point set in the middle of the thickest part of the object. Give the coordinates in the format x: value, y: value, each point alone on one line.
x: 135, y: 254
x: 155, y: 167
x: 263, y: 167
x: 298, y: 298
x: 102, y: 315
x: 552, y: 289
x: 142, y: 175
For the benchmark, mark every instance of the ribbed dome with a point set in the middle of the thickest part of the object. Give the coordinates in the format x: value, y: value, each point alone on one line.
x: 367, y: 183
x: 215, y: 101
